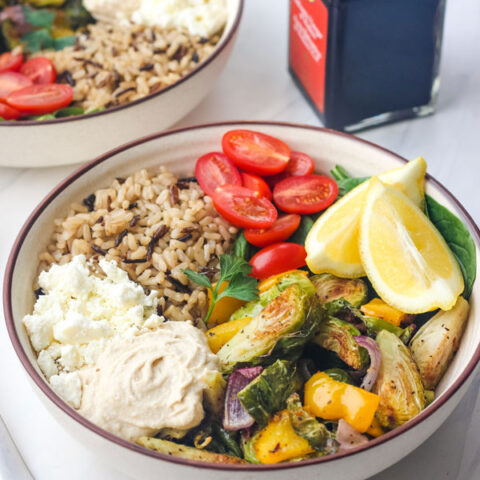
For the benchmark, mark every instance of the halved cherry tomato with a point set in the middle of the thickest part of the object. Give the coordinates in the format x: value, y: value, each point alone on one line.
x: 12, y: 81
x: 10, y: 62
x: 40, y: 99
x: 282, y: 229
x: 257, y: 184
x: 8, y: 113
x: 307, y: 194
x: 39, y: 70
x: 241, y: 207
x: 215, y: 169
x: 256, y: 152
x: 300, y: 164
x: 277, y: 258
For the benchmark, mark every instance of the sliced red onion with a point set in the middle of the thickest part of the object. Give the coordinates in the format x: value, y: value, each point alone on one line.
x: 375, y: 361
x: 348, y: 437
x: 235, y: 416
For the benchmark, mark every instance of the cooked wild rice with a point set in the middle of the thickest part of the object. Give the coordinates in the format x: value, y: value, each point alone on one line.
x: 112, y: 64
x: 154, y: 225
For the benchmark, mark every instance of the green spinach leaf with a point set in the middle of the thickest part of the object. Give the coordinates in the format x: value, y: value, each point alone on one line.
x: 458, y: 239
x: 302, y: 231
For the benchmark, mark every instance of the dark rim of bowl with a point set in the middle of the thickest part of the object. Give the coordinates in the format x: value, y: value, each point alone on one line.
x: 222, y: 44
x: 43, y: 386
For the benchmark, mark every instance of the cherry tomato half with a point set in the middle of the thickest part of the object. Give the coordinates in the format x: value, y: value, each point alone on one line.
x: 300, y: 164
x: 12, y: 81
x: 283, y: 228
x: 277, y: 258
x: 8, y: 113
x: 304, y: 195
x: 215, y: 169
x: 256, y: 152
x: 10, y: 62
x: 257, y: 184
x: 40, y: 99
x: 241, y: 207
x: 39, y: 70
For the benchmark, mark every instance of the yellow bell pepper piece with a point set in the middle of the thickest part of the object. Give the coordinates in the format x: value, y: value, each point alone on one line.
x: 278, y: 441
x: 332, y: 400
x: 270, y: 282
x: 218, y: 336
x: 379, y: 309
x: 224, y: 308
x: 375, y: 429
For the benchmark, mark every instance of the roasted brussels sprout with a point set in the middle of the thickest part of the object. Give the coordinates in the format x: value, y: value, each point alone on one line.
x: 280, y: 330
x: 399, y: 386
x: 306, y: 426
x: 268, y: 393
x: 183, y: 451
x: 330, y: 288
x: 436, y: 342
x: 254, y: 307
x: 337, y: 336
x: 345, y: 311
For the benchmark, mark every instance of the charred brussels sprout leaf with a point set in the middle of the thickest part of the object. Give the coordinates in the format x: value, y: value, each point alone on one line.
x: 280, y: 330
x: 306, y: 426
x: 213, y: 437
x: 254, y: 307
x: 268, y: 393
x: 345, y: 311
x: 399, y: 386
x: 247, y: 444
x: 337, y: 336
x: 330, y: 288
x: 436, y: 342
x: 340, y: 375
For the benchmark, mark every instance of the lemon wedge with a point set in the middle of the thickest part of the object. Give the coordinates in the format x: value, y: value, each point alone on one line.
x: 405, y: 257
x: 332, y: 243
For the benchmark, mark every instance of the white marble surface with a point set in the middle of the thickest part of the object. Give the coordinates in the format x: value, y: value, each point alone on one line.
x: 256, y: 85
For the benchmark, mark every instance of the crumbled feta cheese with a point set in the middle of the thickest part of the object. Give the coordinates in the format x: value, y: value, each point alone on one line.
x: 199, y: 17
x: 69, y: 387
x: 47, y: 363
x: 81, y: 313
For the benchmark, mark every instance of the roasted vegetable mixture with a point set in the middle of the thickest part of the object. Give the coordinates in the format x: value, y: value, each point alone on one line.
x: 315, y: 359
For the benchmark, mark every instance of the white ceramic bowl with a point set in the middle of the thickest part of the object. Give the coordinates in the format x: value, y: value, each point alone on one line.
x: 79, y: 139
x: 178, y: 151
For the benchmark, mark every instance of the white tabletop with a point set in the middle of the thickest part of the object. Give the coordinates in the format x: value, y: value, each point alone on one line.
x: 256, y: 86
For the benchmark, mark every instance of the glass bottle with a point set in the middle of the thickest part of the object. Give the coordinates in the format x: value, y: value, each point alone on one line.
x: 363, y: 63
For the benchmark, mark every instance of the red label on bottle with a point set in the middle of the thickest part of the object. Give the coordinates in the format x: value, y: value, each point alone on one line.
x: 308, y: 46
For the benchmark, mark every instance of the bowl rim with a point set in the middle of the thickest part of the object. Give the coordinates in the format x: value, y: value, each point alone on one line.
x: 218, y: 49
x: 73, y: 414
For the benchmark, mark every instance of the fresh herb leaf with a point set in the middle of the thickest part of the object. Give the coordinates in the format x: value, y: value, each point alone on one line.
x: 233, y: 270
x: 241, y: 287
x: 39, y: 17
x: 38, y: 40
x: 61, y: 42
x: 68, y: 112
x: 458, y: 239
x: 231, y: 265
x: 242, y: 248
x: 198, y: 278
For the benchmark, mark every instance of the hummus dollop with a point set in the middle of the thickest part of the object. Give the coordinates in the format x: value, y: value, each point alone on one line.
x: 144, y: 384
